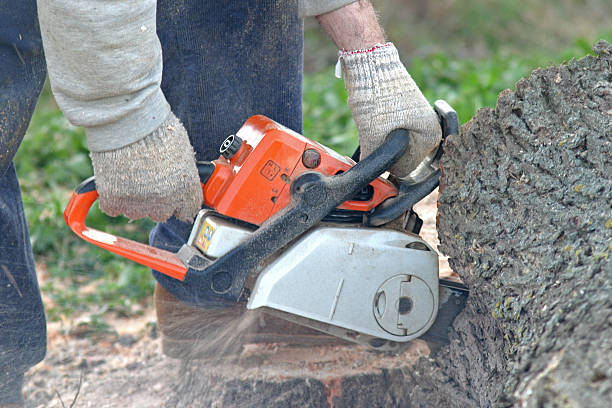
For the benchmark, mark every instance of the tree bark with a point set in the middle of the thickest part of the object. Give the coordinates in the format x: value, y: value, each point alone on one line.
x: 525, y: 218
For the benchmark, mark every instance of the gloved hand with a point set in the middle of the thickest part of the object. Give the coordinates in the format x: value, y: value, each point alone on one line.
x: 382, y: 97
x: 155, y: 177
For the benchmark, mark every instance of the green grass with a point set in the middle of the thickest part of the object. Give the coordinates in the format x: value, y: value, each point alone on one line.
x: 54, y: 159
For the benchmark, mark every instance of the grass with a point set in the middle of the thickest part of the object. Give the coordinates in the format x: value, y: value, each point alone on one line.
x: 54, y: 159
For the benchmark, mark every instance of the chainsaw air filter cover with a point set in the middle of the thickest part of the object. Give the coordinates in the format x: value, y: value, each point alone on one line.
x: 253, y: 182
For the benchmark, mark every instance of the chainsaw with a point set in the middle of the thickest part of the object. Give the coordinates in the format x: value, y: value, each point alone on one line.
x: 291, y: 227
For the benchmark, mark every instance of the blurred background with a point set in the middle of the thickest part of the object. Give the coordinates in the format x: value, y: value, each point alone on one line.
x: 464, y: 51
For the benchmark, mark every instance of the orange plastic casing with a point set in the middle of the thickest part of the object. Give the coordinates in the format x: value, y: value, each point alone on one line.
x: 254, y: 184
x: 161, y: 260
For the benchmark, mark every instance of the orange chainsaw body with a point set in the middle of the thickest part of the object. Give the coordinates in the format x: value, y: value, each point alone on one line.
x: 254, y: 183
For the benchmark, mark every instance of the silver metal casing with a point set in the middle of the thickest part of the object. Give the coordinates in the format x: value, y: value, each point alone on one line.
x: 361, y: 284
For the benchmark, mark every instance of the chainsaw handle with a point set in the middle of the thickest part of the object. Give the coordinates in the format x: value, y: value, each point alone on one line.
x: 423, y: 180
x: 75, y: 214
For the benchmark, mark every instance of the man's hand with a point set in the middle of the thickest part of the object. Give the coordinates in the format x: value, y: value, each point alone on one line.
x: 383, y: 97
x: 381, y: 93
x: 155, y: 177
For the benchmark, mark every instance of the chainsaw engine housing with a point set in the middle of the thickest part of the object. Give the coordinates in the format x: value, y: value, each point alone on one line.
x: 252, y: 177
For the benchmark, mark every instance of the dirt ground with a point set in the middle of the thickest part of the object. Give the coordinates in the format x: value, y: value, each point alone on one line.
x: 129, y: 369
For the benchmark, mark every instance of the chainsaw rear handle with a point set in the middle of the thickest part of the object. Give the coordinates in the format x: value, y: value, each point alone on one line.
x: 76, y: 212
x: 313, y: 196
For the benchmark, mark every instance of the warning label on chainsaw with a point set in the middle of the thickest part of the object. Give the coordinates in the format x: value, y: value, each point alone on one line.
x: 270, y: 170
x: 205, y: 236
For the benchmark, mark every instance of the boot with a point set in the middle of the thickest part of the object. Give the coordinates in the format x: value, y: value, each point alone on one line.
x: 194, y: 333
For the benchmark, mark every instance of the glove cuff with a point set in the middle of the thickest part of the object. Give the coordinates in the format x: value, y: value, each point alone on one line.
x: 379, y: 63
x: 378, y: 48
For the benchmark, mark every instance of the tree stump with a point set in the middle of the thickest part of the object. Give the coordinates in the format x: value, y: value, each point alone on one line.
x: 525, y: 218
x: 274, y: 375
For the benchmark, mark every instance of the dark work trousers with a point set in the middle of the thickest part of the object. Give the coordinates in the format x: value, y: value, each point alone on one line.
x: 22, y: 320
x: 223, y: 62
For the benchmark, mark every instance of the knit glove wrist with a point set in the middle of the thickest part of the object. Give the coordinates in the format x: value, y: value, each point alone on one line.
x: 155, y: 177
x: 383, y: 97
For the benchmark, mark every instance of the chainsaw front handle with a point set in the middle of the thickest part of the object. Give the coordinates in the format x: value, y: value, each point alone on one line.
x: 75, y: 214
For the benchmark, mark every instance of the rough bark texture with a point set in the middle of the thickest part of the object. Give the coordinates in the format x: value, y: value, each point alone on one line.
x: 526, y: 219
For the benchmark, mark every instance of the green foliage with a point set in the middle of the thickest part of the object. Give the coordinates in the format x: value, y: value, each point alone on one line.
x: 480, y: 23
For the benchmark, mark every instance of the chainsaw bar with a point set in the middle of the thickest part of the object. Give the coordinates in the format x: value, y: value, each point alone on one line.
x: 453, y: 297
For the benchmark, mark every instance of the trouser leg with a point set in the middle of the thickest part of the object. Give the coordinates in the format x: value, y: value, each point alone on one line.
x: 224, y: 62
x: 22, y: 319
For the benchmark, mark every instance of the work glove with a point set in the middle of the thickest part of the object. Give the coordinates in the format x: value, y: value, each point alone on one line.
x: 155, y: 177
x: 382, y: 97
